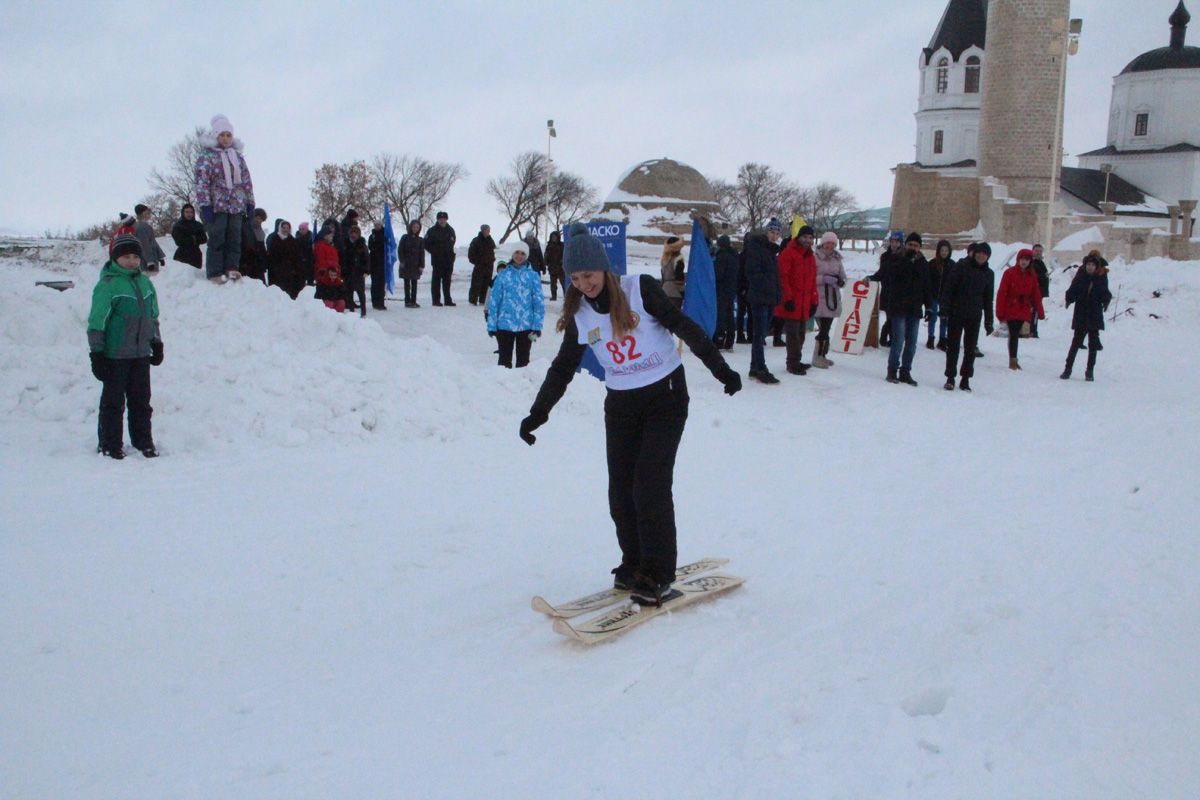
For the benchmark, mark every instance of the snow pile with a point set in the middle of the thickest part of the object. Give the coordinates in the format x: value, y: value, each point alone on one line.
x: 1081, y: 240
x: 244, y: 365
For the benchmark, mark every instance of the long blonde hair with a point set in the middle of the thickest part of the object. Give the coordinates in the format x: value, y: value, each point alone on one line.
x: 618, y: 307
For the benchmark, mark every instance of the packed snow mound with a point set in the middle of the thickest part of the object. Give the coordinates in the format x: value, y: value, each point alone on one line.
x: 245, y: 365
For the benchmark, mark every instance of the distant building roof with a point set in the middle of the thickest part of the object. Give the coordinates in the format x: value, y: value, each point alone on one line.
x: 1177, y: 55
x: 1088, y: 186
x: 964, y: 23
x: 1182, y: 147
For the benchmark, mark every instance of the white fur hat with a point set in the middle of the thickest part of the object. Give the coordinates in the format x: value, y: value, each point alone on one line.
x: 518, y: 244
x: 221, y: 124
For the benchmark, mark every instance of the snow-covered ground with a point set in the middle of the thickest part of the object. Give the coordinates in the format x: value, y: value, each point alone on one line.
x: 322, y: 588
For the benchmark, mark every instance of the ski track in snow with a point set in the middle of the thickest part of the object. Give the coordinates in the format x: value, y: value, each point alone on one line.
x: 322, y: 589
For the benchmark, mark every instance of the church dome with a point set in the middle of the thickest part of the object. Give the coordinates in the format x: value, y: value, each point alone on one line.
x: 1176, y: 55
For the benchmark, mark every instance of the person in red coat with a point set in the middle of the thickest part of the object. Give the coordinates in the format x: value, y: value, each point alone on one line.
x: 1018, y: 300
x: 328, y: 272
x: 798, y: 285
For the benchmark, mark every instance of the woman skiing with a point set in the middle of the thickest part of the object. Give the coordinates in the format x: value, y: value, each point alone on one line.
x: 628, y: 323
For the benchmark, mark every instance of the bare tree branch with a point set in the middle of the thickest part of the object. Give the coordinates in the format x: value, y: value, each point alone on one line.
x: 521, y: 195
x: 414, y: 186
x: 178, y: 178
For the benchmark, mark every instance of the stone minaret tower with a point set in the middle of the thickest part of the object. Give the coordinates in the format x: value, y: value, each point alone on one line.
x: 1020, y: 127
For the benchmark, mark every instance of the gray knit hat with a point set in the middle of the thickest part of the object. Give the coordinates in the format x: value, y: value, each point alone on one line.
x: 583, y: 252
x: 124, y: 245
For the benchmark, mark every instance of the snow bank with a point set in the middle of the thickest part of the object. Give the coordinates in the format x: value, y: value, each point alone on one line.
x: 245, y: 365
x: 1080, y: 240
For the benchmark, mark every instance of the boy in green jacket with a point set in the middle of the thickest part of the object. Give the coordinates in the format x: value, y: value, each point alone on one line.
x: 124, y: 339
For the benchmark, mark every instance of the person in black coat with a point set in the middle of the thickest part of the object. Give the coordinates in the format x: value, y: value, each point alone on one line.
x: 439, y: 243
x: 481, y: 253
x: 1038, y: 265
x: 305, y: 240
x: 906, y: 298
x: 726, y: 269
x: 938, y: 266
x: 762, y: 295
x: 967, y: 291
x: 377, y: 244
x: 536, y: 259
x: 285, y: 260
x: 355, y: 267
x: 410, y: 253
x: 1090, y: 293
x: 188, y: 233
x: 554, y: 264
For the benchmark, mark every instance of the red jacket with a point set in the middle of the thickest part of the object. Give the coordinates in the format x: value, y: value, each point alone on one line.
x: 797, y: 281
x: 1019, y: 295
x: 325, y: 264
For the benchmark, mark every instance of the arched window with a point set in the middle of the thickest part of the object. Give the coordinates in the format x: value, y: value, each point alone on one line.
x: 938, y: 140
x: 943, y: 74
x: 972, y: 86
x: 1141, y: 124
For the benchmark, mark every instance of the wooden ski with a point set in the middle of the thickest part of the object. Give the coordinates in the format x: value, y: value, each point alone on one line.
x: 605, y: 598
x: 628, y: 615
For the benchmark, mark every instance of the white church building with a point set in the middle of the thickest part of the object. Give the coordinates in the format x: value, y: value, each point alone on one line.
x: 951, y: 70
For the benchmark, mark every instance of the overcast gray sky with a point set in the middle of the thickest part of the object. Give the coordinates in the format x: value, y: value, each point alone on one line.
x: 92, y: 94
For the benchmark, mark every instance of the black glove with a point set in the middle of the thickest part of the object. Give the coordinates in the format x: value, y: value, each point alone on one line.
x: 989, y: 330
x: 492, y: 334
x: 99, y: 365
x: 156, y: 353
x: 531, y: 424
x: 789, y: 306
x: 731, y: 380
x: 812, y: 310
x: 929, y: 315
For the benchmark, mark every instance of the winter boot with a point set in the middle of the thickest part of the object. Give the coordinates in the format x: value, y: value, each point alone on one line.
x: 218, y: 279
x: 742, y: 338
x: 941, y: 343
x: 929, y: 345
x: 825, y: 354
x: 149, y: 451
x: 234, y: 275
x: 116, y: 453
x: 763, y: 376
x: 949, y: 386
x: 1089, y: 376
x: 1066, y: 374
x: 648, y: 591
x: 778, y: 341
x: 964, y: 383
x: 1013, y: 364
x: 623, y: 577
x: 819, y: 361
x: 978, y: 352
x: 891, y: 376
x: 797, y: 370
x: 906, y: 377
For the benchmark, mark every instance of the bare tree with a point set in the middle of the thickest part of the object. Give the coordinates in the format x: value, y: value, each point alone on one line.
x: 164, y: 210
x: 759, y: 193
x: 831, y: 207
x: 413, y: 186
x: 338, y: 187
x: 178, y: 178
x: 726, y: 194
x: 521, y: 195
x: 571, y: 198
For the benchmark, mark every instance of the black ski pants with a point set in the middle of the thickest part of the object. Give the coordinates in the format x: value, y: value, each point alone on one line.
x: 1014, y: 336
x: 439, y: 287
x: 507, y: 340
x: 410, y: 290
x: 127, y: 382
x: 378, y: 286
x: 642, y: 431
x: 1093, y: 338
x: 966, y: 332
x: 481, y: 278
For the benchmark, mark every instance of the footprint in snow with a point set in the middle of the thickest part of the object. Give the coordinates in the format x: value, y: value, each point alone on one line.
x: 926, y: 703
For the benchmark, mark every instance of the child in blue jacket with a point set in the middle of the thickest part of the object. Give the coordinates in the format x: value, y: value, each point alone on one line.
x: 515, y: 309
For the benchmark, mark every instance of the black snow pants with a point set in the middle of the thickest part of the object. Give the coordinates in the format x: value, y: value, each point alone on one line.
x: 507, y: 340
x: 127, y: 382
x: 642, y: 430
x: 966, y: 332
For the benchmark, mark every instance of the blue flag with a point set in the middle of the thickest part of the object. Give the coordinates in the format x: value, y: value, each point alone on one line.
x: 700, y: 295
x: 389, y: 255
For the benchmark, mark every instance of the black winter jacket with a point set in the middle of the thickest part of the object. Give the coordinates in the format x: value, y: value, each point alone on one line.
x: 967, y: 292
x: 439, y: 243
x: 1091, y: 297
x: 761, y: 270
x: 189, y: 234
x: 482, y: 251
x: 377, y: 244
x: 725, y: 265
x: 905, y: 279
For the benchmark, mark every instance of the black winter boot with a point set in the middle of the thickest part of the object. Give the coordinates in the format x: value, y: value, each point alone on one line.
x: 949, y: 386
x: 964, y: 383
x: 891, y: 376
x: 941, y: 343
x: 1089, y: 376
x: 906, y: 377
x: 929, y: 345
x: 623, y: 577
x: 648, y: 591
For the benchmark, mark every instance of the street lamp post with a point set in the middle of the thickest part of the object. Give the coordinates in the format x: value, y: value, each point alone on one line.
x: 551, y: 135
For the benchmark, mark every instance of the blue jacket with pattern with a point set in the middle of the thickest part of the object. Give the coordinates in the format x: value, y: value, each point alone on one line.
x: 515, y: 303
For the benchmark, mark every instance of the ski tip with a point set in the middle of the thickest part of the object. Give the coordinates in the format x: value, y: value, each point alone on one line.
x: 561, y: 626
x: 539, y: 604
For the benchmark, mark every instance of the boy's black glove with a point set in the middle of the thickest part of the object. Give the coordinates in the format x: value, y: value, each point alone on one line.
x: 531, y: 424
x: 732, y: 381
x: 99, y: 365
x: 156, y: 353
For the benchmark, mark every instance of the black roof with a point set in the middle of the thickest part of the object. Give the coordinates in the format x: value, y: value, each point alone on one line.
x: 1088, y: 186
x: 1176, y: 55
x: 964, y: 23
x: 1182, y: 147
